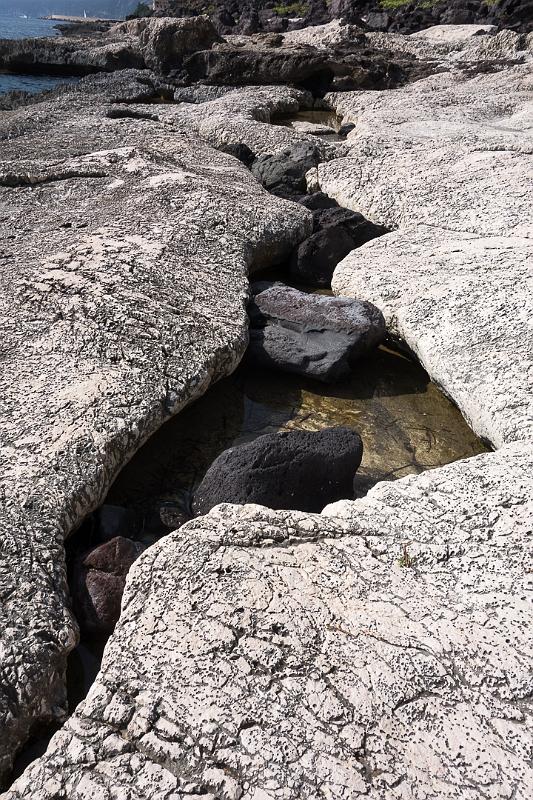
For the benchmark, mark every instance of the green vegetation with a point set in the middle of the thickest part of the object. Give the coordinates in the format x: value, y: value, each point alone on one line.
x: 405, y: 560
x: 141, y: 10
x: 293, y: 9
x: 390, y: 5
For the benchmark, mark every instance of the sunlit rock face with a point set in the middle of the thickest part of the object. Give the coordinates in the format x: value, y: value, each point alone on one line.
x: 124, y: 283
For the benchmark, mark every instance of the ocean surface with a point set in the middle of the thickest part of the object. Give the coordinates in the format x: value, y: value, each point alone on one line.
x: 17, y: 27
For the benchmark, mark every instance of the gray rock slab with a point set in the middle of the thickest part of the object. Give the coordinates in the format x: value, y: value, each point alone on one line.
x: 125, y: 251
x: 462, y: 303
x: 452, y: 173
x: 379, y: 650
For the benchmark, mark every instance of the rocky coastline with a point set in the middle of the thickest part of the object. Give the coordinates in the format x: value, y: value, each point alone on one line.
x: 283, y: 639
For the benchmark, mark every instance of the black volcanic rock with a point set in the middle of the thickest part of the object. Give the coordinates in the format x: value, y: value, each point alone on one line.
x: 252, y: 16
x: 283, y: 173
x: 336, y: 231
x: 302, y: 470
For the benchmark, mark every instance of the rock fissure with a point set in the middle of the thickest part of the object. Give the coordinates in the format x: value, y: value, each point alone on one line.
x: 427, y: 613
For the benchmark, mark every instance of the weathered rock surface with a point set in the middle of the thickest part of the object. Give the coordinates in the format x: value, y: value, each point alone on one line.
x: 447, y: 162
x: 304, y: 470
x: 158, y: 44
x: 336, y: 231
x: 247, y: 16
x: 111, y: 322
x: 318, y: 69
x: 320, y: 337
x: 98, y: 583
x: 382, y: 650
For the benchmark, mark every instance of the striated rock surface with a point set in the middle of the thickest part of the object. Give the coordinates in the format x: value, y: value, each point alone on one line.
x: 447, y: 161
x: 378, y: 651
x: 125, y: 251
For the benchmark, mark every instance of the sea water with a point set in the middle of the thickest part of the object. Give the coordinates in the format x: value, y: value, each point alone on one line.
x: 21, y: 27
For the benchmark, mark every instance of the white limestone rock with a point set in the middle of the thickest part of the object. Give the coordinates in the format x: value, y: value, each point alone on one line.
x: 447, y: 164
x: 462, y: 303
x: 126, y: 246
x: 379, y: 650
x: 333, y: 34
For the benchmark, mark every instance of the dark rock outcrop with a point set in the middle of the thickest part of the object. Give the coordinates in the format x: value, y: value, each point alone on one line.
x: 312, y: 335
x: 283, y: 173
x: 318, y: 70
x: 252, y: 16
x: 98, y: 583
x: 301, y: 470
x: 336, y: 232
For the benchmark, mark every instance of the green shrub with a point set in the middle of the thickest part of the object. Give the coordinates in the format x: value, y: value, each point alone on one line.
x: 296, y: 9
x: 141, y: 10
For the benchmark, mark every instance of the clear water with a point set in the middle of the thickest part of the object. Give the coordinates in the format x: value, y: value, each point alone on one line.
x: 18, y: 27
x: 13, y: 26
x: 406, y: 423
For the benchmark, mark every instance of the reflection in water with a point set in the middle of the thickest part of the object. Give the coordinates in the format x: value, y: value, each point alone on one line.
x: 406, y: 423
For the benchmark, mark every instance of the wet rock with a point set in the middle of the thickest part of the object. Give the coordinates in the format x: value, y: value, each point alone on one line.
x: 291, y: 469
x: 314, y: 128
x: 336, y: 232
x: 283, y: 173
x: 98, y: 584
x: 312, y: 335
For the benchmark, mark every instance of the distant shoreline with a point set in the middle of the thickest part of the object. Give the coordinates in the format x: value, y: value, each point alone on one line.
x: 66, y: 18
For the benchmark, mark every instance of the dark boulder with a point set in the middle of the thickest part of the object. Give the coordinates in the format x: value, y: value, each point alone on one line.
x: 336, y: 231
x: 312, y: 335
x: 240, y: 151
x: 228, y: 65
x: 284, y: 173
x: 303, y: 470
x: 345, y: 129
x: 316, y: 201
x: 98, y: 583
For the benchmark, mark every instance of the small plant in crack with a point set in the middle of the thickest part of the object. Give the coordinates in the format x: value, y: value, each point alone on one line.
x: 406, y: 560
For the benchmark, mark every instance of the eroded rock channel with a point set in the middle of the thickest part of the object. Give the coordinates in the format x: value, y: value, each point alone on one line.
x: 272, y: 648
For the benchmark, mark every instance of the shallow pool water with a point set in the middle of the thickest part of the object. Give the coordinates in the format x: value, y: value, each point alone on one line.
x: 406, y: 423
